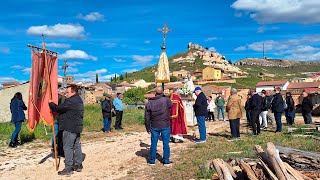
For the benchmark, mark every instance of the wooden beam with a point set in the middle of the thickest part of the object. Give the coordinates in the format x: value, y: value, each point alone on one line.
x: 40, y: 48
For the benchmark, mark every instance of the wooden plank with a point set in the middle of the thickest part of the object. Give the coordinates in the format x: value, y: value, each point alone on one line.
x: 272, y: 154
x: 270, y: 173
x: 296, y: 174
x: 247, y: 170
x: 216, y: 165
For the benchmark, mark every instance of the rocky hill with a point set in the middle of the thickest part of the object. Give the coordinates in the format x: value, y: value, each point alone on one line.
x: 267, y: 62
x: 207, y: 57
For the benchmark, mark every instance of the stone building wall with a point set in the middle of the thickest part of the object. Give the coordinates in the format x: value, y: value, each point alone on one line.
x: 6, y: 96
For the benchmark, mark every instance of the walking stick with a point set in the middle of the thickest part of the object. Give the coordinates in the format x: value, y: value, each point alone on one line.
x: 50, y: 96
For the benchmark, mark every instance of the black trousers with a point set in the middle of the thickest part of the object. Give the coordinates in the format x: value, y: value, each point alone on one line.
x: 118, y: 123
x: 255, y: 123
x: 210, y: 116
x: 235, y: 127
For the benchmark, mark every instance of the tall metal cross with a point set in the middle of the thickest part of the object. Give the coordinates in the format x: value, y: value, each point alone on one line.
x: 64, y: 68
x: 164, y: 30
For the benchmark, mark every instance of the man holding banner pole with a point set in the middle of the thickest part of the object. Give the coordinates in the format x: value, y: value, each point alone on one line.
x: 71, y: 124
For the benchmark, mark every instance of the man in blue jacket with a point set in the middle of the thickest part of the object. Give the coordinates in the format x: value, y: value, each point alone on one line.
x: 118, y: 106
x: 201, y: 111
x: 157, y: 122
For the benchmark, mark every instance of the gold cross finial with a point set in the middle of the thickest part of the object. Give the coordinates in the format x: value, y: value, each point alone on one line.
x: 164, y: 30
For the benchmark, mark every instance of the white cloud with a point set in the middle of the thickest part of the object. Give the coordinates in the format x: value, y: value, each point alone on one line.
x: 59, y: 30
x: 142, y: 59
x: 26, y: 70
x: 77, y: 54
x: 109, y: 45
x: 4, y: 50
x: 263, y: 29
x: 90, y: 76
x: 71, y: 69
x: 305, y: 56
x: 119, y: 60
x: 304, y: 48
x: 212, y: 49
x: 279, y: 11
x: 17, y: 67
x: 93, y: 16
x: 240, y: 48
x: 90, y: 73
x: 210, y: 39
x: 74, y: 63
x: 129, y: 70
x: 58, y: 45
x: 147, y: 41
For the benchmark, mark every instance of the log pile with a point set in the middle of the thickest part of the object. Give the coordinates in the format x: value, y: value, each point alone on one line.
x: 275, y: 163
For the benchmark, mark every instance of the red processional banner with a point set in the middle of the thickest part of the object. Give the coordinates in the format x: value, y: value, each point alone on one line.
x: 43, y: 87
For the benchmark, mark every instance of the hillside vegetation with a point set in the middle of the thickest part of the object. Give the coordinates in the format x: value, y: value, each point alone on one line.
x: 256, y: 73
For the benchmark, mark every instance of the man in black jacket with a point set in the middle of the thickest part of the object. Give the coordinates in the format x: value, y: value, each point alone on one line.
x: 289, y: 111
x: 71, y: 123
x: 106, y: 113
x: 255, y: 110
x: 277, y: 105
x: 307, y: 107
x: 157, y: 122
x: 201, y: 111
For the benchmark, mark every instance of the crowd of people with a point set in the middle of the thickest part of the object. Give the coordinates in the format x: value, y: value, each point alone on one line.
x: 165, y: 116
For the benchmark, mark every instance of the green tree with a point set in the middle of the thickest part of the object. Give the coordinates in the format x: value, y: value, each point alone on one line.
x: 134, y: 95
x: 111, y: 79
x: 230, y: 62
x: 173, y: 79
x: 126, y: 75
x: 121, y: 77
x: 115, y: 78
x: 97, y: 78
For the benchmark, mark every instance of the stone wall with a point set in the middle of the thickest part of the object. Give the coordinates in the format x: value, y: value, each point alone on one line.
x: 6, y: 96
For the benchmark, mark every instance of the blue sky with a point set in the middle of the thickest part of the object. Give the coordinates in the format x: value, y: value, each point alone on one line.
x: 119, y: 36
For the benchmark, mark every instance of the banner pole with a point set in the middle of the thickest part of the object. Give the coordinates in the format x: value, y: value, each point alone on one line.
x: 50, y: 96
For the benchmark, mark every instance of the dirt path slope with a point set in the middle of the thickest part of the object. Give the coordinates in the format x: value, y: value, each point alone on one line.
x: 122, y: 156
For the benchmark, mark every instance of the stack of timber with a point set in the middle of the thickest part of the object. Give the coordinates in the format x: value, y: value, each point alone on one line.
x: 275, y: 163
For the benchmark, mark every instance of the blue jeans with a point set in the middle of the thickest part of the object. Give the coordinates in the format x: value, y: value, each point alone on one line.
x: 201, y: 120
x: 165, y: 134
x: 56, y: 131
x: 107, y: 124
x: 277, y: 117
x: 307, y: 117
x: 290, y: 115
x: 220, y: 108
x: 16, y: 131
x: 248, y: 117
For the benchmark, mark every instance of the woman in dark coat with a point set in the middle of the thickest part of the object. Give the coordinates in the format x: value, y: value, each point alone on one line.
x: 17, y: 108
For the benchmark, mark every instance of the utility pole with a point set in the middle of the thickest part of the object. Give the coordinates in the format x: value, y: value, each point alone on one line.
x: 64, y: 79
x: 263, y: 50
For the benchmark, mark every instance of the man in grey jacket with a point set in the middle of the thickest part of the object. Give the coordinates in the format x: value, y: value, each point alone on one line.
x: 157, y: 122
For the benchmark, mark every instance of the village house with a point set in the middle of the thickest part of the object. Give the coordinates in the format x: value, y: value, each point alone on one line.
x: 197, y: 73
x: 140, y: 83
x: 180, y: 74
x: 210, y: 73
x: 316, y: 78
x: 270, y: 85
x: 213, y: 90
x: 70, y: 79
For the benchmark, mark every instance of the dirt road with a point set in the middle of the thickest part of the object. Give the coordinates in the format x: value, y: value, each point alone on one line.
x: 120, y: 157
